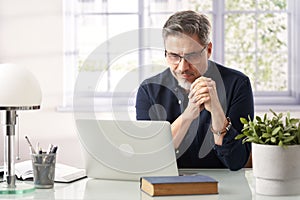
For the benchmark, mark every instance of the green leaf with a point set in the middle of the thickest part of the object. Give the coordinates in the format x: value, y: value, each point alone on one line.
x: 273, y: 139
x: 273, y: 112
x: 286, y: 134
x: 265, y: 117
x: 266, y: 135
x: 276, y: 130
x: 251, y: 139
x: 243, y: 120
x: 294, y: 121
x: 258, y: 119
x: 268, y: 129
x: 240, y: 136
x: 248, y: 134
x: 288, y: 139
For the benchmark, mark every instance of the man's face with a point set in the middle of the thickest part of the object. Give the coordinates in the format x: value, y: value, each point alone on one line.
x: 187, y: 58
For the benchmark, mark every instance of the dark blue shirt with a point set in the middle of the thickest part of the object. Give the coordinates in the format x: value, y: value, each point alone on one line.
x: 161, y: 98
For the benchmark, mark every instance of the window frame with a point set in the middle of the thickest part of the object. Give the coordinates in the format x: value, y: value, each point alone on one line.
x: 264, y: 99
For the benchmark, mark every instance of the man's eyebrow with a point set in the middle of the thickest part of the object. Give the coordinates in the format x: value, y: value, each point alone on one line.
x: 192, y: 53
x: 188, y: 54
x: 170, y: 52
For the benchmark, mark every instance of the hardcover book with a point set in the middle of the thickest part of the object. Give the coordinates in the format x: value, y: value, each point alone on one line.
x: 179, y: 185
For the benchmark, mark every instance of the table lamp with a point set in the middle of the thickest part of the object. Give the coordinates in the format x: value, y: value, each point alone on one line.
x: 19, y: 90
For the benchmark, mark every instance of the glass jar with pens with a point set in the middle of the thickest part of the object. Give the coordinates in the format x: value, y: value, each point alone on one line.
x: 43, y: 165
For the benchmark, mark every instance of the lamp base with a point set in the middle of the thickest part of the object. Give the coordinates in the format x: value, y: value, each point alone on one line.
x: 21, y: 188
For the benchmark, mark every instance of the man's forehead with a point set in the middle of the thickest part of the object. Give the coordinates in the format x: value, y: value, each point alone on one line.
x: 182, y: 43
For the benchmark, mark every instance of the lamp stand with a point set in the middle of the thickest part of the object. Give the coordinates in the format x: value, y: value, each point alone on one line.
x: 11, y: 186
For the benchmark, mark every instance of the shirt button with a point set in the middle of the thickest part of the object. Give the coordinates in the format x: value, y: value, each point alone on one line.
x: 179, y: 101
x: 177, y: 151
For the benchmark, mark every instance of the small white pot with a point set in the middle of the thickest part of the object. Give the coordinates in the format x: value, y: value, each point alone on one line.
x: 276, y: 169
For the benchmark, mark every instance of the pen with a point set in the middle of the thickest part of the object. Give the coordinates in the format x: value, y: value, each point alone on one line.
x: 30, y: 145
x: 50, y: 147
x: 40, y: 150
x: 37, y: 147
x: 54, y: 149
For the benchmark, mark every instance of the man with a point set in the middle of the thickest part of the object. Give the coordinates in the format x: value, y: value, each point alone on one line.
x: 202, y: 100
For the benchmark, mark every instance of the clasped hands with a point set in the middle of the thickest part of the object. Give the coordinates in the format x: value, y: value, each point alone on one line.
x: 203, y: 95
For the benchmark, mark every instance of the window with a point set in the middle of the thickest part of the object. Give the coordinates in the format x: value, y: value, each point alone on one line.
x: 257, y: 37
x: 265, y: 53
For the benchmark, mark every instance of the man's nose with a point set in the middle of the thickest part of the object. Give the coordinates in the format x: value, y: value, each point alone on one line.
x: 183, y: 65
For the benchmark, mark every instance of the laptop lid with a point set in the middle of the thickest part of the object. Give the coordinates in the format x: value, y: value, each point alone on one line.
x: 127, y: 150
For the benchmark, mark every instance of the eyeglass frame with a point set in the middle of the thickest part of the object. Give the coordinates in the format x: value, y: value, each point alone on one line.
x: 184, y: 56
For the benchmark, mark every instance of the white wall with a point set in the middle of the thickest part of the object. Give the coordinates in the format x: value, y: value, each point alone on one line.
x: 31, y: 35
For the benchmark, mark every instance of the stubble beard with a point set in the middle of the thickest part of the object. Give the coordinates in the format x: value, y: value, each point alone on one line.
x: 184, y: 84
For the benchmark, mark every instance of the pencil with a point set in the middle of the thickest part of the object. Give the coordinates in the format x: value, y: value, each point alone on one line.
x: 30, y: 145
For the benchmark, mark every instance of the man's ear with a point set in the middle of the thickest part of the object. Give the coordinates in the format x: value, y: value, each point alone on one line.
x: 209, y: 50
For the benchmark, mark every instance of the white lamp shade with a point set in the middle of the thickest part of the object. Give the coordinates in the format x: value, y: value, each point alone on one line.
x: 18, y: 88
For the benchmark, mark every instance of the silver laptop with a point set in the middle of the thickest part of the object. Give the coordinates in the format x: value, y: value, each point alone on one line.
x: 127, y: 150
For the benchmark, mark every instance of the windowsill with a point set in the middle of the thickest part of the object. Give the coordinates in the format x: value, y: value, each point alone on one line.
x: 120, y: 108
x: 277, y: 108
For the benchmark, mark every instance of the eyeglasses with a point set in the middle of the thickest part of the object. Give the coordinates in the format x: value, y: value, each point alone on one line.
x: 193, y: 58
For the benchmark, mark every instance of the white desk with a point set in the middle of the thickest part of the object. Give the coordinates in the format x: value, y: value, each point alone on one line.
x: 232, y: 186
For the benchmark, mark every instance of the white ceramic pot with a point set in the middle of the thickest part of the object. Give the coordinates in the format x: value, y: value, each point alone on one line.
x: 276, y: 169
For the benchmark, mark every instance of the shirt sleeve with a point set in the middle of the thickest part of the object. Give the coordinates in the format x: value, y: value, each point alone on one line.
x: 232, y: 152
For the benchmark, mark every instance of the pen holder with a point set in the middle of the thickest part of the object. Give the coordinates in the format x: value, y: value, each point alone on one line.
x: 43, y: 166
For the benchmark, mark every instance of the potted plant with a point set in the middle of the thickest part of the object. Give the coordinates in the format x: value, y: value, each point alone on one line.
x: 275, y: 153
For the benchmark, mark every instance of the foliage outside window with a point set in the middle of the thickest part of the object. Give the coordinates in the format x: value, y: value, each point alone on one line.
x: 256, y: 42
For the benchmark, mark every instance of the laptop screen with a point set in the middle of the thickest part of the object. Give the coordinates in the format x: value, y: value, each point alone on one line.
x: 127, y: 150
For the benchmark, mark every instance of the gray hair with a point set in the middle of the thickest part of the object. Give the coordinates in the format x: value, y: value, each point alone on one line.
x: 190, y: 23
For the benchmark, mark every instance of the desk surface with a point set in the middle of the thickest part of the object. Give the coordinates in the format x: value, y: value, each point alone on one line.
x: 232, y: 186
